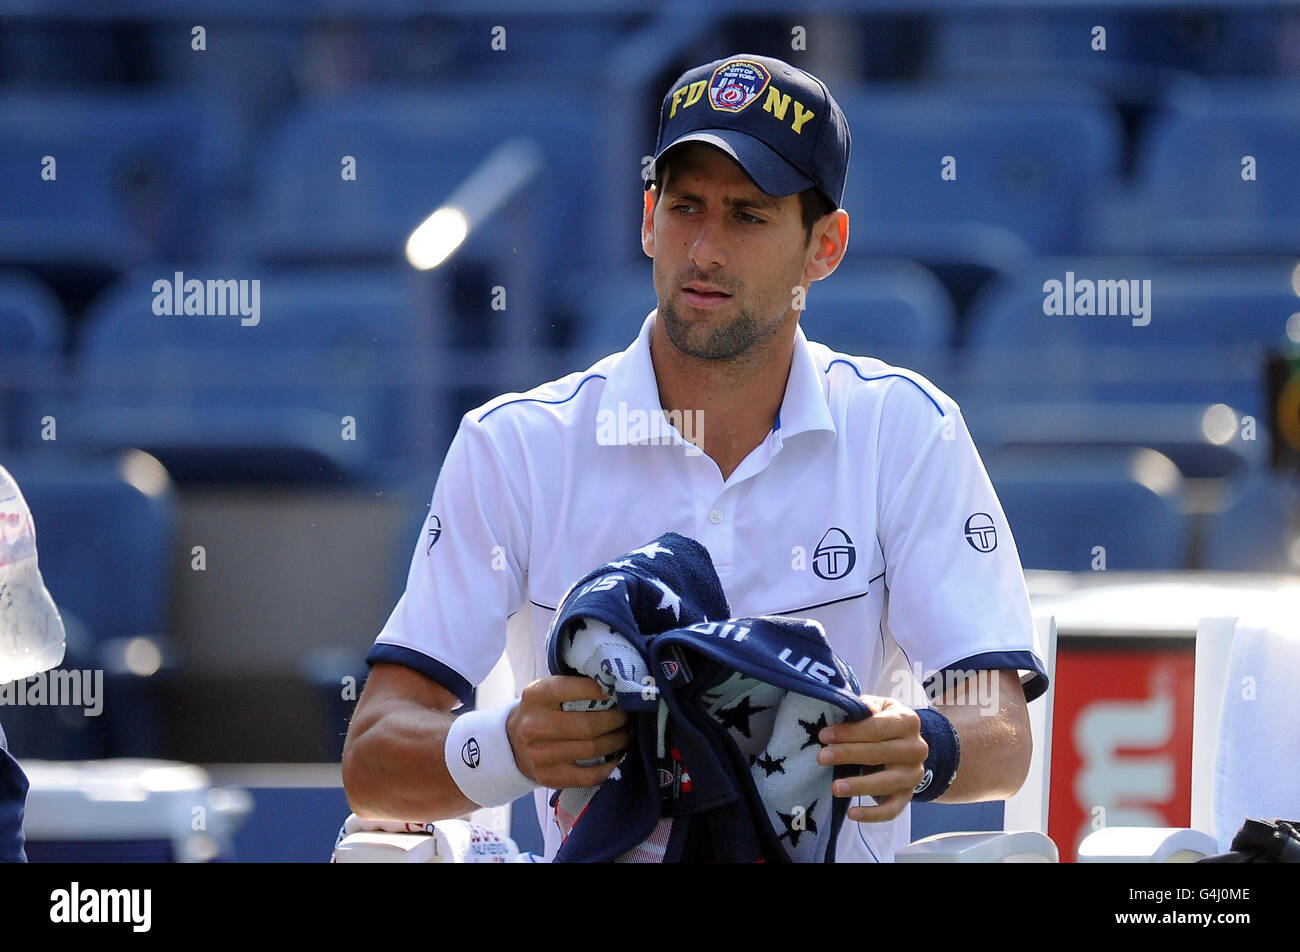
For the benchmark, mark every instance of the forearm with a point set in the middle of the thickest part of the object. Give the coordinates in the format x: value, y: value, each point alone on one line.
x: 995, y: 740
x: 394, y: 767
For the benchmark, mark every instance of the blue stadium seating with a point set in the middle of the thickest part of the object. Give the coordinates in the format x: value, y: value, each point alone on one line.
x: 137, y: 176
x: 1210, y: 324
x: 105, y: 530
x: 1145, y: 48
x: 880, y: 309
x: 1190, y: 194
x: 412, y: 150
x: 1030, y: 163
x: 1062, y: 504
x: 1258, y: 530
x: 31, y: 340
x: 1180, y: 431
x: 214, y: 398
x: 608, y: 310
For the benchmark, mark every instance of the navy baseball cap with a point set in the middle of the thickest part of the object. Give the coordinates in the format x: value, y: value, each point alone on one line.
x: 779, y: 123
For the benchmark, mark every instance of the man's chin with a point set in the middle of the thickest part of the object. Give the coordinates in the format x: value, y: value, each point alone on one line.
x: 707, y: 334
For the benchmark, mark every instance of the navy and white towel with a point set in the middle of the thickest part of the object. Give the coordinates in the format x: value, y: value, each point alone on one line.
x: 726, y: 713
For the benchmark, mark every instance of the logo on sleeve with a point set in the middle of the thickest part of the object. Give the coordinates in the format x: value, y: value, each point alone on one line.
x: 835, y: 555
x: 435, y: 532
x: 737, y: 83
x: 981, y: 533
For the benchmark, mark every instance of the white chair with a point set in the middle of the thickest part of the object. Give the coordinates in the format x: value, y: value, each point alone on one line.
x: 1023, y: 838
x: 1214, y: 664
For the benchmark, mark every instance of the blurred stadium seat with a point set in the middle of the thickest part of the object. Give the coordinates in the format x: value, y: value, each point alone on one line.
x: 1190, y: 194
x: 880, y: 309
x: 1210, y: 324
x: 412, y: 149
x: 1202, y: 440
x: 105, y: 529
x: 1258, y: 530
x: 608, y: 310
x: 1063, y: 504
x: 1029, y: 163
x: 214, y: 398
x: 135, y: 176
x: 31, y: 334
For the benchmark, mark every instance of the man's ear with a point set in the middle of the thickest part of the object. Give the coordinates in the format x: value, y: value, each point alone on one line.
x: 648, y: 222
x: 831, y: 246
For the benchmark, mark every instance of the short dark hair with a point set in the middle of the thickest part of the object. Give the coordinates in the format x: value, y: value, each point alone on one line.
x: 813, y: 205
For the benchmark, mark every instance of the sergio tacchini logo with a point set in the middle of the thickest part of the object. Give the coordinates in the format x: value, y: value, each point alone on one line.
x: 835, y: 555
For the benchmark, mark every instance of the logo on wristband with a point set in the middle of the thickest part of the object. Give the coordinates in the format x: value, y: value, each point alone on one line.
x: 925, y: 782
x: 470, y: 753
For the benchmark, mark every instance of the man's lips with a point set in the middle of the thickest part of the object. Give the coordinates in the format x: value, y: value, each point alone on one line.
x: 704, y: 296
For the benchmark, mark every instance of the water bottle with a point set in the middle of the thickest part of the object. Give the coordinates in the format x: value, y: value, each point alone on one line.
x: 31, y: 629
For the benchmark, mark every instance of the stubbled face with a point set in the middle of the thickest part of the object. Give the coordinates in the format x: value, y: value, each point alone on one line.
x: 726, y: 256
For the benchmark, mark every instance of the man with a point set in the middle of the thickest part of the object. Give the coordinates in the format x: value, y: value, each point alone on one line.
x: 823, y: 486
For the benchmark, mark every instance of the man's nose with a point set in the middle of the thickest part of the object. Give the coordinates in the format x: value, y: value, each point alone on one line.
x: 708, y: 249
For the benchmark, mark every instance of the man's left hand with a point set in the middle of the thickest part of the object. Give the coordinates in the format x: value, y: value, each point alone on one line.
x: 889, y: 744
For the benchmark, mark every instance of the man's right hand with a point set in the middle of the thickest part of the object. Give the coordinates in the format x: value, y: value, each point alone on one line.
x: 546, y: 740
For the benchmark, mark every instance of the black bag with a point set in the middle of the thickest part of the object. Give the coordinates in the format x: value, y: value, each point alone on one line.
x: 1263, y: 841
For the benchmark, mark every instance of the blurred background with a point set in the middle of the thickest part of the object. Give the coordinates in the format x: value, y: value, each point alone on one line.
x: 227, y: 501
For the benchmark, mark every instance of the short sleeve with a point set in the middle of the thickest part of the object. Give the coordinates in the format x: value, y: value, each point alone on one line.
x: 466, y: 576
x: 957, y: 598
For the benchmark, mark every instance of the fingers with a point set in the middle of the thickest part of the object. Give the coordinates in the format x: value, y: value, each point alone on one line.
x: 558, y: 688
x: 562, y: 776
x: 911, y: 750
x: 546, y: 740
x: 886, y: 808
x: 896, y: 778
x: 567, y: 751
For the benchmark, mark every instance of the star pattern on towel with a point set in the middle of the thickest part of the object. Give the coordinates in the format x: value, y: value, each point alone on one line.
x: 813, y: 729
x: 769, y: 764
x: 737, y: 717
x: 620, y: 564
x: 809, y: 825
x: 670, y: 600
x: 651, y: 550
x: 577, y: 626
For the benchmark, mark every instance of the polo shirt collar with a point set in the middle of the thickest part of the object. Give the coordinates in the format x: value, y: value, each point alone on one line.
x: 630, y: 385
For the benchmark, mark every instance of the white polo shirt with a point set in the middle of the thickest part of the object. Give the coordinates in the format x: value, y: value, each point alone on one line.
x: 866, y: 507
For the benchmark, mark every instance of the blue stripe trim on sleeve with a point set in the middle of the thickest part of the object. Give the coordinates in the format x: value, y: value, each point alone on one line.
x: 540, y: 400
x: 853, y: 367
x: 418, y: 661
x: 1035, y: 685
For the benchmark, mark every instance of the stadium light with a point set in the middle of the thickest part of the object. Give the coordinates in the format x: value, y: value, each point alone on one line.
x: 490, y: 186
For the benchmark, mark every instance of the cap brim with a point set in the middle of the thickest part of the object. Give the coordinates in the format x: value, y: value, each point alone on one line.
x: 771, y: 173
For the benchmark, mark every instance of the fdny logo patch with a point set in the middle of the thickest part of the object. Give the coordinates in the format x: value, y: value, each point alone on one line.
x: 835, y: 555
x: 737, y: 83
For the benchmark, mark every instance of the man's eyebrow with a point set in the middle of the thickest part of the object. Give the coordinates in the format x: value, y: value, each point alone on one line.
x: 755, y: 201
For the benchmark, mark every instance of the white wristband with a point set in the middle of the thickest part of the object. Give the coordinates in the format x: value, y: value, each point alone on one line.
x: 480, y: 760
